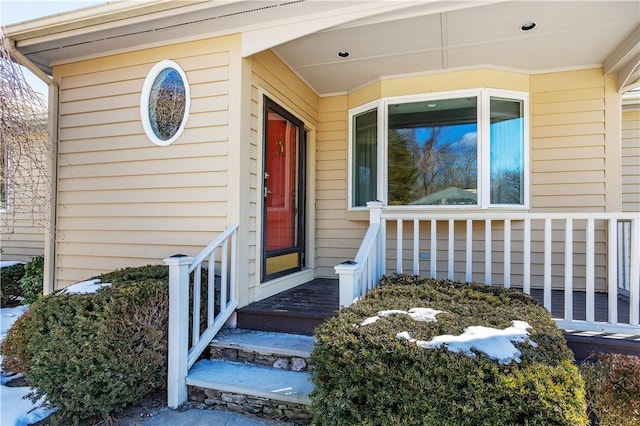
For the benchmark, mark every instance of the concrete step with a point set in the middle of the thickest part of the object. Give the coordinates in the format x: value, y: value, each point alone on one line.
x: 255, y: 372
x: 250, y: 379
x: 273, y: 349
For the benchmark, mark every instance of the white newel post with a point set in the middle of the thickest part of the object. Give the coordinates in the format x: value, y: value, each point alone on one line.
x: 347, y: 277
x: 178, y: 339
x: 375, y: 211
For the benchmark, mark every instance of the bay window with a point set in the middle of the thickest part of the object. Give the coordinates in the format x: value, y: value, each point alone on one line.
x: 455, y: 149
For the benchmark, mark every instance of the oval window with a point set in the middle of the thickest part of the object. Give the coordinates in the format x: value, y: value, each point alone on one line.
x: 165, y: 101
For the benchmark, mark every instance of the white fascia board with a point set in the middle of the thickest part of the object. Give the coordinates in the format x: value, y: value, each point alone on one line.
x: 629, y: 74
x: 102, y: 17
x: 282, y: 31
x: 626, y: 52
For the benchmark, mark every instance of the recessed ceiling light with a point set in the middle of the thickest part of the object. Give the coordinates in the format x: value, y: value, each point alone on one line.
x: 343, y: 54
x: 431, y: 105
x: 528, y: 26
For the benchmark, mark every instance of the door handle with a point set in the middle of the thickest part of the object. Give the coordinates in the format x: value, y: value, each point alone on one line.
x: 267, y: 192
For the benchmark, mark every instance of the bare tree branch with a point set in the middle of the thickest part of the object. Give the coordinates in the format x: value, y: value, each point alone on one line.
x: 24, y: 147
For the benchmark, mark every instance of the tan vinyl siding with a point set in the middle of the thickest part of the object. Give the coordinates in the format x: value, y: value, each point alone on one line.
x: 338, y: 238
x: 123, y: 201
x: 272, y: 77
x: 568, y: 150
x: 22, y: 222
x: 631, y: 161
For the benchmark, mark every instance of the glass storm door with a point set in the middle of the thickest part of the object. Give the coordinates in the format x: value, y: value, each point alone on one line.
x: 283, y: 192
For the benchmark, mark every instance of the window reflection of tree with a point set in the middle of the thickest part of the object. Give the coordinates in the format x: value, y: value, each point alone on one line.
x: 167, y: 103
x: 419, y: 170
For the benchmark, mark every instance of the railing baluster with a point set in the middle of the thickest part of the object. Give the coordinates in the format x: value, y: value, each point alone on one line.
x: 197, y: 278
x: 416, y: 247
x: 507, y: 253
x: 526, y: 257
x: 211, y: 292
x: 399, y: 248
x: 612, y: 269
x: 487, y: 251
x: 634, y: 274
x: 224, y: 274
x: 232, y: 277
x: 469, y: 252
x: 547, y: 263
x: 434, y: 247
x: 450, y: 254
x: 523, y: 248
x: 568, y: 270
x: 590, y: 271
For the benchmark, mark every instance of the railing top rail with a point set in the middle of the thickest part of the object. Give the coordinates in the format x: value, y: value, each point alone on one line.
x: 395, y: 215
x: 367, y: 243
x: 212, y: 246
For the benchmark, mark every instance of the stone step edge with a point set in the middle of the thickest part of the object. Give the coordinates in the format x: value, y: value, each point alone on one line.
x: 262, y: 350
x: 205, y: 399
x: 208, y: 383
x: 261, y: 342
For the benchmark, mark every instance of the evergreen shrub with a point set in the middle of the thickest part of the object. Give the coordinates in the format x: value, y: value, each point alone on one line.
x: 612, y: 383
x: 10, y: 290
x: 364, y: 375
x: 31, y: 282
x: 95, y: 354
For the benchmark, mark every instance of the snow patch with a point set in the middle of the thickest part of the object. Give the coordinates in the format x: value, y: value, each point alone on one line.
x: 417, y: 314
x: 85, y: 287
x: 15, y: 409
x: 495, y: 343
x: 8, y: 316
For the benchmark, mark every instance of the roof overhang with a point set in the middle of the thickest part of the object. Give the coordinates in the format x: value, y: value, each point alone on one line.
x: 384, y: 38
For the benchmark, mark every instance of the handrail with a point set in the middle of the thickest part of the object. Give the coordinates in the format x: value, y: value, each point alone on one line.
x: 181, y: 355
x: 212, y: 246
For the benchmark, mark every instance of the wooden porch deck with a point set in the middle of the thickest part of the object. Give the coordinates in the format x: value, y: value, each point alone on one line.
x: 303, y: 308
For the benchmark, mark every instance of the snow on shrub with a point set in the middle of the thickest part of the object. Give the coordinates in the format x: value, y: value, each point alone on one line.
x: 95, y: 353
x: 486, y: 356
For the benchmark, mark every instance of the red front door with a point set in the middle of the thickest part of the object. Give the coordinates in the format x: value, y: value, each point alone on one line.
x: 283, y: 190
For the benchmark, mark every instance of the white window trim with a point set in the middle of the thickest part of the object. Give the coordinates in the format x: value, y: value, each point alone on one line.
x: 144, y: 101
x: 484, y: 96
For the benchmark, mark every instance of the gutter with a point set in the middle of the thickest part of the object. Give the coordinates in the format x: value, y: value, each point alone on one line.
x: 50, y: 227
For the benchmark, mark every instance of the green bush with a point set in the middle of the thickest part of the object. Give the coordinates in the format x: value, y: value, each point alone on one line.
x: 31, y: 282
x: 365, y: 375
x: 612, y: 383
x: 10, y: 291
x: 94, y: 354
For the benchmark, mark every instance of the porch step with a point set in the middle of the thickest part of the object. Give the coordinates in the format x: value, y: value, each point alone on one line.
x: 273, y: 349
x: 252, y: 380
x: 298, y: 310
x: 255, y: 372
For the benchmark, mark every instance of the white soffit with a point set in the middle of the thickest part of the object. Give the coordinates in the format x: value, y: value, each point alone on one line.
x: 569, y: 35
x: 384, y: 38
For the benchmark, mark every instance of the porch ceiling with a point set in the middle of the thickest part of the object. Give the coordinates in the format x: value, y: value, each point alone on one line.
x: 383, y: 38
x: 569, y: 34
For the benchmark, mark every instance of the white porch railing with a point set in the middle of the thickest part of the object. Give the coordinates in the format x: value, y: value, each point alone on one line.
x: 549, y: 251
x: 359, y: 276
x: 185, y: 284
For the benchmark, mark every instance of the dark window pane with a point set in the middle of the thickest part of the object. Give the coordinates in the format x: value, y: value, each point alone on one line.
x: 365, y: 158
